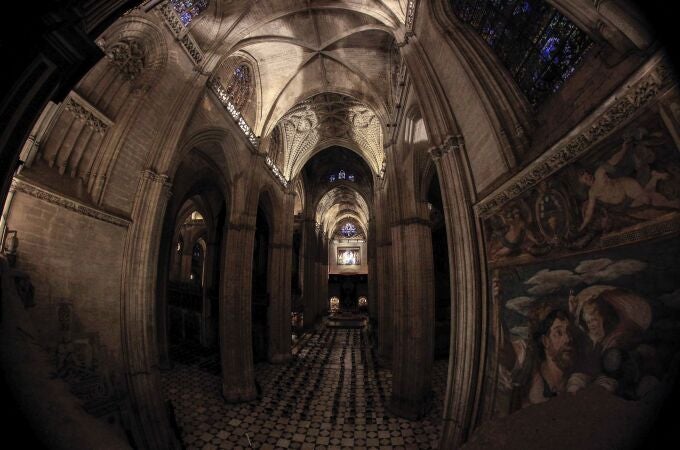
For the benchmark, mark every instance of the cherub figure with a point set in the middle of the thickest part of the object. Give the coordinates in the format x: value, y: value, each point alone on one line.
x: 624, y: 191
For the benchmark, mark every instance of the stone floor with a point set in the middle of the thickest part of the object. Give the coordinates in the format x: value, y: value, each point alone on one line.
x: 331, y: 395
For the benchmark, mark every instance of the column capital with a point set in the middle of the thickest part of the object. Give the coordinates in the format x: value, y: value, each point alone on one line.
x: 452, y: 143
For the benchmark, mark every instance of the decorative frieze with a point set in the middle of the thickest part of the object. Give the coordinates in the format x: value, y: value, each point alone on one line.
x: 171, y: 19
x: 192, y: 48
x: 411, y: 14
x: 215, y: 86
x: 654, y: 81
x: 21, y: 185
x: 275, y: 170
x: 83, y: 110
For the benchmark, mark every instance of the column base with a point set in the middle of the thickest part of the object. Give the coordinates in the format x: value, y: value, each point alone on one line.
x: 408, y: 408
x: 280, y: 358
x: 232, y: 395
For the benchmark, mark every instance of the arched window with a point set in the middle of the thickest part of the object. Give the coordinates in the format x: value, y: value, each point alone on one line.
x: 188, y: 9
x: 348, y: 229
x: 539, y: 46
x: 341, y: 175
x: 239, y: 87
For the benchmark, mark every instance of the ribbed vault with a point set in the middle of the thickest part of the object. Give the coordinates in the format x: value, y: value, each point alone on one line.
x: 339, y: 204
x: 330, y: 119
x: 305, y: 48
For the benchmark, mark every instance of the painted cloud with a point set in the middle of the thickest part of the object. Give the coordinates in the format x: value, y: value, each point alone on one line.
x: 587, y: 272
x: 520, y: 304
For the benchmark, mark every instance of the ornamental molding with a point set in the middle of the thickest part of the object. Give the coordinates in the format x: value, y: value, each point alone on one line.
x: 22, y: 185
x: 181, y: 33
x: 221, y: 93
x: 83, y: 110
x: 276, y: 172
x: 411, y: 16
x: 653, y: 79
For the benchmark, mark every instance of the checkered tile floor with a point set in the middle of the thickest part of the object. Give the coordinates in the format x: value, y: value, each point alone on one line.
x: 331, y: 395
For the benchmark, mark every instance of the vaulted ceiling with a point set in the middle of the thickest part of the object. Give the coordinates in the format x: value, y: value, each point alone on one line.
x: 303, y: 48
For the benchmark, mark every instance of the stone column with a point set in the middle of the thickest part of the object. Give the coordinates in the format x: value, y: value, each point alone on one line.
x: 385, y: 325
x: 323, y: 275
x: 151, y: 427
x: 280, y: 303
x: 468, y: 306
x: 413, y: 295
x: 371, y: 246
x: 309, y: 293
x: 207, y: 338
x: 383, y: 255
x: 236, y: 345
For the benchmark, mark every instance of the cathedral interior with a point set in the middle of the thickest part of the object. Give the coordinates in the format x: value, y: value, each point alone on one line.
x: 329, y: 224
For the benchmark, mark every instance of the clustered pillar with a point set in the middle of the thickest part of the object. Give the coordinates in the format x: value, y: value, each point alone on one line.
x: 413, y: 317
x: 238, y: 377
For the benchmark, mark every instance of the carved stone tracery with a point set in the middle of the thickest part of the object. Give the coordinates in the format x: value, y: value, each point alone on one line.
x: 128, y: 56
x: 328, y: 117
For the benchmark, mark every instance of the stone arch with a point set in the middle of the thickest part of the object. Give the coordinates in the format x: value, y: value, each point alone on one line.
x: 154, y: 54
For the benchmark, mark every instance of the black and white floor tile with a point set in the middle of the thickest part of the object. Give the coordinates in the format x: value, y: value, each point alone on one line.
x: 331, y: 395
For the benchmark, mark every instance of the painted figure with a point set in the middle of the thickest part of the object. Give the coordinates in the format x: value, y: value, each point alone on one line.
x: 625, y: 193
x: 553, y: 338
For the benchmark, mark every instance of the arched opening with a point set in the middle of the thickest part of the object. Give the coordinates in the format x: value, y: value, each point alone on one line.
x: 442, y: 277
x: 189, y: 269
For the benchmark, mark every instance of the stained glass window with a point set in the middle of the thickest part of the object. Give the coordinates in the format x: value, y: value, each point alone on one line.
x: 348, y: 229
x: 188, y: 9
x: 341, y: 175
x: 239, y: 87
x: 539, y: 46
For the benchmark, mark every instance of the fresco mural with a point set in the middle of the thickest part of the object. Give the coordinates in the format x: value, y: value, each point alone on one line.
x: 629, y: 182
x: 611, y: 319
x: 584, y: 274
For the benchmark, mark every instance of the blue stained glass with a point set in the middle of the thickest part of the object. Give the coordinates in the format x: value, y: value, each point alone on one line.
x: 331, y: 178
x: 549, y: 47
x: 350, y: 177
x: 188, y: 9
x: 348, y: 229
x: 539, y: 46
x: 341, y: 175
